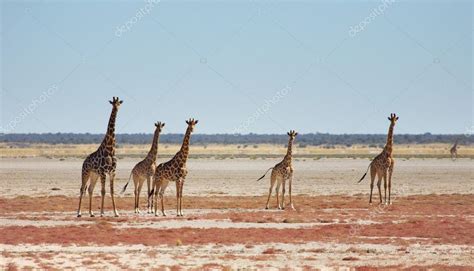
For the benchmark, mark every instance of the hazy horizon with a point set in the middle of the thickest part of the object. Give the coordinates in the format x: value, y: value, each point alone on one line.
x: 229, y: 134
x: 247, y: 67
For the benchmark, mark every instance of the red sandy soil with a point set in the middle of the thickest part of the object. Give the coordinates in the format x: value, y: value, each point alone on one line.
x: 418, y: 204
x: 442, y: 219
x: 415, y: 268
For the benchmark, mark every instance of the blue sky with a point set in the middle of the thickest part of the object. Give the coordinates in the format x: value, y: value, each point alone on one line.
x: 256, y: 66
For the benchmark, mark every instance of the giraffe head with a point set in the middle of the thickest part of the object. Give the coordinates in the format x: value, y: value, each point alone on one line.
x: 191, y: 123
x: 159, y: 126
x: 393, y: 118
x: 292, y: 134
x: 116, y: 102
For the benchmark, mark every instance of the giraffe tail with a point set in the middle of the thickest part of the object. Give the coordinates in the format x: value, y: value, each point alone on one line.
x: 125, y: 187
x: 264, y: 174
x: 365, y: 173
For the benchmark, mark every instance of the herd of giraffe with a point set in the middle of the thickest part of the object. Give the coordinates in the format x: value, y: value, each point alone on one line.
x: 103, y: 162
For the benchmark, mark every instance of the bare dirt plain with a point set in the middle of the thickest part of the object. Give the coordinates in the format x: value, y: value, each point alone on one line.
x: 429, y: 226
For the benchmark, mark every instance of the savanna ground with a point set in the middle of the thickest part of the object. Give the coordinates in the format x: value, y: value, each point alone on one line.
x: 225, y: 226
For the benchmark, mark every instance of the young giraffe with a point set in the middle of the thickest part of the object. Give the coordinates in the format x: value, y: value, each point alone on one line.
x: 281, y: 172
x: 175, y: 171
x: 145, y: 169
x: 100, y: 163
x: 454, y: 151
x: 382, y: 164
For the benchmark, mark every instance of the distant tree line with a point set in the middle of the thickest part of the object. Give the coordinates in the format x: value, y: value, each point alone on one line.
x: 317, y: 139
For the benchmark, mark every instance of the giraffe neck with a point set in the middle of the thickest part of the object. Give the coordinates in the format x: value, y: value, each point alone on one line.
x: 289, y: 152
x: 389, y: 145
x: 109, y: 140
x: 151, y: 157
x: 184, y: 151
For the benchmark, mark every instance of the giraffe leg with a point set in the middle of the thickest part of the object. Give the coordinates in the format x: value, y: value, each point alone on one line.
x: 390, y: 171
x: 93, y: 181
x: 385, y: 188
x: 162, y: 204
x: 112, y: 194
x: 150, y: 200
x: 289, y: 188
x: 102, y: 194
x: 135, y: 191
x: 379, y: 183
x: 272, y: 183
x: 277, y: 193
x: 85, y: 179
x: 164, y: 184
x: 157, y: 189
x: 181, y: 197
x: 283, y: 195
x: 372, y: 179
x: 177, y: 198
x: 140, y: 185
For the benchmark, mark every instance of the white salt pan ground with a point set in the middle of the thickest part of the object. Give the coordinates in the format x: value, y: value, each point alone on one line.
x: 37, y: 176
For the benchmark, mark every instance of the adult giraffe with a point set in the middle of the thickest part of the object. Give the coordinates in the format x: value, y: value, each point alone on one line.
x: 281, y: 172
x: 383, y: 164
x: 175, y: 171
x: 454, y: 150
x: 100, y: 163
x: 145, y: 169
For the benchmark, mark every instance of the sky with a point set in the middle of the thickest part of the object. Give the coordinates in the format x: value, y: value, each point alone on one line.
x: 237, y: 66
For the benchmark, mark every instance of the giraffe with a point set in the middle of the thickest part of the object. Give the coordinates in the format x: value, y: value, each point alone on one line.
x: 175, y: 171
x: 383, y: 164
x: 100, y: 163
x: 454, y: 151
x: 281, y: 172
x: 145, y: 169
